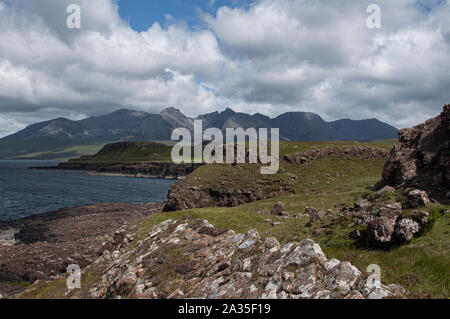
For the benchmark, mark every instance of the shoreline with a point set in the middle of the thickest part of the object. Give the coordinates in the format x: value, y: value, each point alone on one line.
x: 162, y: 170
x: 41, y: 246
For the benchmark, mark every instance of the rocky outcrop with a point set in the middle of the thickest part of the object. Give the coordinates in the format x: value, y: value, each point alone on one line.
x: 423, y: 151
x: 350, y: 151
x: 192, y: 259
x: 202, y: 190
x: 181, y: 197
x: 138, y: 169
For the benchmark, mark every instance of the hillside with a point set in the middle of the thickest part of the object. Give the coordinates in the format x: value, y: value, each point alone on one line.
x: 128, y: 152
x: 62, y: 138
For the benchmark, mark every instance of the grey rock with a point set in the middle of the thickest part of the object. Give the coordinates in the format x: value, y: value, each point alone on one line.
x: 415, y: 199
x: 405, y: 229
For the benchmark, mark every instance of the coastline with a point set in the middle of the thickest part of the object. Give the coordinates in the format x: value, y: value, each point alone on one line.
x: 163, y: 170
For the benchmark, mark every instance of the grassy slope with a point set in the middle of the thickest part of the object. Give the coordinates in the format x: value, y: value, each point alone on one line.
x: 157, y: 152
x: 421, y: 266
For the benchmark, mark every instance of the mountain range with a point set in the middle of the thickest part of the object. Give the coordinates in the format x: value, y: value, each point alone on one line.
x: 60, y: 133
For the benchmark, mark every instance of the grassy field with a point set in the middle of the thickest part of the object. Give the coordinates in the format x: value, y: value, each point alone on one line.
x: 330, y: 184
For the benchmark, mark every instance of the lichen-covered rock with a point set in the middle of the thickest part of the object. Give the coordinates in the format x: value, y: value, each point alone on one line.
x: 380, y: 231
x: 405, y: 229
x: 192, y: 259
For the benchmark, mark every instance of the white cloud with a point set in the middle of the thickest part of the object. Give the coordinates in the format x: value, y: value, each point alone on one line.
x: 275, y: 56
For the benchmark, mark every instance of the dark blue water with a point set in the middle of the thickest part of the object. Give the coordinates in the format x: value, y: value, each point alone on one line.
x: 27, y: 192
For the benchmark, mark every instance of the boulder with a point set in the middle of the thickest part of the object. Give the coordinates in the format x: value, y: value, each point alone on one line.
x: 385, y: 189
x: 380, y: 231
x: 277, y: 209
x: 416, y: 198
x: 405, y: 230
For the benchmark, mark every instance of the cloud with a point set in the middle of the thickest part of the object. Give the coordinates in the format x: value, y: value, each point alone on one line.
x: 269, y: 57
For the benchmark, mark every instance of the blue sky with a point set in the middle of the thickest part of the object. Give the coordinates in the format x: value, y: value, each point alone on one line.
x: 141, y: 14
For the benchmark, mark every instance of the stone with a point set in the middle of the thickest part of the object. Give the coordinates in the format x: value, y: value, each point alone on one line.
x: 126, y: 283
x: 362, y: 205
x: 317, y: 215
x: 344, y: 277
x: 177, y: 294
x: 385, y: 189
x: 380, y: 231
x: 277, y: 209
x: 310, y: 210
x: 415, y: 199
x: 271, y: 243
x: 405, y: 230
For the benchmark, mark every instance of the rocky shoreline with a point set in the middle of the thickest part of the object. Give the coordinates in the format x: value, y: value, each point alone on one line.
x: 43, y: 245
x: 136, y: 169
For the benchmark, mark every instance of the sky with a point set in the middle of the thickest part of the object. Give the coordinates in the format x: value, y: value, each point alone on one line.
x: 266, y: 56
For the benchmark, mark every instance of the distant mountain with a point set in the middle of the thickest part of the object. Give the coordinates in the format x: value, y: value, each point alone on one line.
x: 127, y: 125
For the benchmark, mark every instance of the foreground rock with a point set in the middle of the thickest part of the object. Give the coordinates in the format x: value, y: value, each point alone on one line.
x: 424, y: 147
x: 192, y: 259
x: 42, y: 246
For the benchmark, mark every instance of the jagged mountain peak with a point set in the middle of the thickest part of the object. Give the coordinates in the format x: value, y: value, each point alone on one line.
x: 176, y: 118
x: 131, y: 125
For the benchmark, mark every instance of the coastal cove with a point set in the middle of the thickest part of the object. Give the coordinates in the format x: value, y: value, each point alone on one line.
x: 25, y: 192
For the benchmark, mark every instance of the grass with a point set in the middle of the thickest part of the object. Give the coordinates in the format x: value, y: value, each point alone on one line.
x: 137, y: 152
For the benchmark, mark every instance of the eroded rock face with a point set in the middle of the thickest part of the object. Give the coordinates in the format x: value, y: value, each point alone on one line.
x: 192, y: 259
x: 423, y: 147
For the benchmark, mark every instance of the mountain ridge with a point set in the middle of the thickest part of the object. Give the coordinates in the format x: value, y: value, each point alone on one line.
x: 131, y: 125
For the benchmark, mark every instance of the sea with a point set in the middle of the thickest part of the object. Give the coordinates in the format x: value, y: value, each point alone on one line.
x: 25, y: 192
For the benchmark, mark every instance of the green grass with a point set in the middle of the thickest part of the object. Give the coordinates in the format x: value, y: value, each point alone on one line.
x: 139, y: 152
